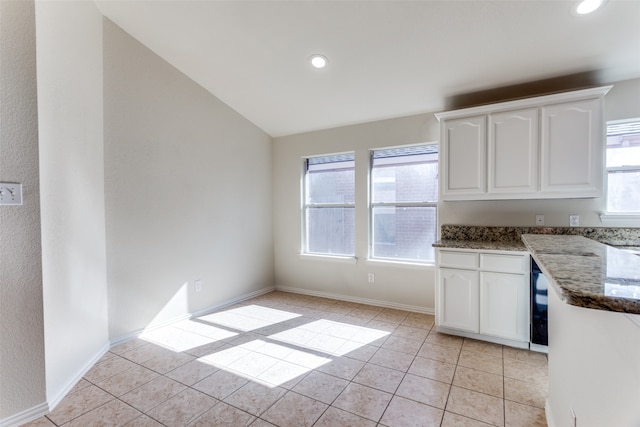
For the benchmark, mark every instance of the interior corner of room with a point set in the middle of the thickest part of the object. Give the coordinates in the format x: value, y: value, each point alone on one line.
x: 148, y: 199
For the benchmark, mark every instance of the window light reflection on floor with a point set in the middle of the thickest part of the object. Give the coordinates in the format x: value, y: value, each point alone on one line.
x: 266, y: 363
x: 249, y: 318
x: 186, y: 335
x: 193, y: 333
x: 293, y: 349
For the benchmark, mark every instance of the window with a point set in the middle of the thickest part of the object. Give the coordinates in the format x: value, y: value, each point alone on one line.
x: 623, y: 167
x: 404, y: 194
x: 329, y: 205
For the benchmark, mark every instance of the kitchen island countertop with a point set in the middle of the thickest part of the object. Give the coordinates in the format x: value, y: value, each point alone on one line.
x: 587, y: 273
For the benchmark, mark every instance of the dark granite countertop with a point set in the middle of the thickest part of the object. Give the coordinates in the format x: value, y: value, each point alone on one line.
x: 587, y: 273
x: 486, y: 245
x: 614, y: 236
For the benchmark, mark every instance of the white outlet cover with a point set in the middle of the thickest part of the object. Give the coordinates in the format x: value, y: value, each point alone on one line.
x: 574, y: 220
x: 539, y: 219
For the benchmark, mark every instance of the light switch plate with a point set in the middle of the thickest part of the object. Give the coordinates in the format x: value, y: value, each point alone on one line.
x: 539, y: 220
x: 10, y: 193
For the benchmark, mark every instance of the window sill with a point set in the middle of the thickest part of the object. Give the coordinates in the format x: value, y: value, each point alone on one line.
x: 330, y: 258
x: 629, y: 219
x: 401, y: 263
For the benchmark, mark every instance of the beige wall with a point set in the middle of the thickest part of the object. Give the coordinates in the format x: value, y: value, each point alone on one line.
x: 185, y: 188
x: 409, y: 286
x: 70, y: 113
x: 187, y: 196
x: 395, y: 285
x: 188, y: 192
x: 22, y: 372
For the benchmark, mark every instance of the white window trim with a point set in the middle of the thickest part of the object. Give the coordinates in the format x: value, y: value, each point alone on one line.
x: 303, y: 210
x: 618, y: 218
x: 371, y: 205
x: 309, y: 256
x: 401, y: 262
x: 611, y: 218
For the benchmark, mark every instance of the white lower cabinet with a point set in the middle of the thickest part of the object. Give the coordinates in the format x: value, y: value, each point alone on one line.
x: 504, y: 305
x: 459, y: 299
x: 484, y: 295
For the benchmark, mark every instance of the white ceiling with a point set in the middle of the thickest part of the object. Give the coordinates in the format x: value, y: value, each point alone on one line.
x: 386, y: 58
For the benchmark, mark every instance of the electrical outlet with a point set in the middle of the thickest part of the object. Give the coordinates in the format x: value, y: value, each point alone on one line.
x: 539, y: 220
x: 371, y: 278
x: 10, y: 193
x: 197, y: 285
x: 574, y: 220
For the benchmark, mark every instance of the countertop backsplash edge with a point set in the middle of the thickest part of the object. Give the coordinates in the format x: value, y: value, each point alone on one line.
x: 614, y: 236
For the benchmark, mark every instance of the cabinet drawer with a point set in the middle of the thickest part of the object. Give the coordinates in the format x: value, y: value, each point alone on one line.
x: 504, y: 263
x: 458, y: 259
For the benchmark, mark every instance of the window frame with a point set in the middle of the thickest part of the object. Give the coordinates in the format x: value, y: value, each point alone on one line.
x: 305, y: 206
x: 632, y: 218
x: 612, y: 215
x: 411, y: 204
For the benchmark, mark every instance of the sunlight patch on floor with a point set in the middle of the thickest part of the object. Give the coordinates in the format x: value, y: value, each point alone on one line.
x: 285, y: 355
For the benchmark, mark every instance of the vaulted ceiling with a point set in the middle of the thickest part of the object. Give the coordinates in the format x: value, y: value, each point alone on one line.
x: 386, y: 58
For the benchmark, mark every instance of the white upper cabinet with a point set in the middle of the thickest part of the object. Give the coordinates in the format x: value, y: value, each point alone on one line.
x: 572, y: 147
x: 465, y: 142
x: 536, y: 148
x: 513, y: 152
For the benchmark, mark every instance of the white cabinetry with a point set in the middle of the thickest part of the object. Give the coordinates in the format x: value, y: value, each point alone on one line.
x: 504, y: 306
x: 483, y: 295
x: 545, y: 147
x: 572, y: 147
x: 513, y: 152
x: 459, y: 299
x: 465, y: 143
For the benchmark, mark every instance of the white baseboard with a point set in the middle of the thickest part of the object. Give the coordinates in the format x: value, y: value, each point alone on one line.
x: 234, y: 301
x: 26, y: 416
x: 547, y: 412
x: 123, y: 339
x: 377, y: 303
x: 46, y: 407
x: 153, y: 326
x: 71, y: 383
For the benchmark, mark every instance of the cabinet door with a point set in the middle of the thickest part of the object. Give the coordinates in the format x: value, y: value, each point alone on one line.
x: 458, y: 299
x: 464, y: 158
x: 513, y: 152
x: 504, y: 305
x: 572, y: 149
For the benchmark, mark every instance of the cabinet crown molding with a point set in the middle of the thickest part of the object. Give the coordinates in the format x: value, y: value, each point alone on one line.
x: 526, y: 102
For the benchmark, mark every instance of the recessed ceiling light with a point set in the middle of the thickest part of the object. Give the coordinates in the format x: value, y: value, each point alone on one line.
x: 588, y: 6
x: 319, y: 61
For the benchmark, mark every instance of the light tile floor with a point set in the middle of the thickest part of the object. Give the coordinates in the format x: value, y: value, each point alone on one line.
x: 292, y: 360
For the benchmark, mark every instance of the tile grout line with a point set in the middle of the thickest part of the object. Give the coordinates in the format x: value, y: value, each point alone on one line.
x: 366, y: 362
